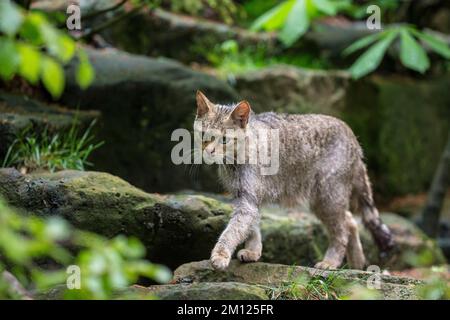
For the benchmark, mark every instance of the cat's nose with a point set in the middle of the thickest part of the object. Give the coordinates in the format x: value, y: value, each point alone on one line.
x: 210, y: 150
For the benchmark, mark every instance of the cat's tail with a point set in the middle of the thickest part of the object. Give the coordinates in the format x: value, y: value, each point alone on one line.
x: 362, y: 201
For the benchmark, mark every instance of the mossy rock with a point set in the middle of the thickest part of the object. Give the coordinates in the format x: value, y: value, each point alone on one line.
x: 181, y: 37
x: 273, y: 276
x: 402, y: 125
x: 202, y: 291
x: 195, y: 291
x: 179, y: 228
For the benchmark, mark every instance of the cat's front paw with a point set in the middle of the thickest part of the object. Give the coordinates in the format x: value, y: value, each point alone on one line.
x: 327, y: 265
x: 246, y: 255
x: 220, y: 257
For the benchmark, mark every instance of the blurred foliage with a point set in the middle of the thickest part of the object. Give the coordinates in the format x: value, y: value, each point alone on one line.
x: 230, y: 60
x: 436, y: 278
x: 358, y: 9
x: 293, y: 17
x: 33, y: 150
x: 31, y: 47
x: 255, y: 8
x: 226, y: 10
x: 412, y: 54
x: 105, y: 265
x: 437, y: 284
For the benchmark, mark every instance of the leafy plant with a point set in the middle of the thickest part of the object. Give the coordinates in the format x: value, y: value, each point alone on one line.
x: 31, y: 47
x: 106, y: 266
x: 293, y: 17
x: 38, y: 150
x: 230, y: 60
x: 412, y: 53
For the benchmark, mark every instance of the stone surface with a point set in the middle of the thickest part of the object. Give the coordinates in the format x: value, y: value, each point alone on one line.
x: 289, y: 89
x: 143, y: 100
x: 389, y: 116
x: 276, y: 275
x: 196, y: 291
x: 18, y: 112
x: 176, y: 229
x: 204, y: 291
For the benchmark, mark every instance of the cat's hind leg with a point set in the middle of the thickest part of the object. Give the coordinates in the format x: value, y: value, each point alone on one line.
x: 253, y: 246
x: 330, y: 206
x: 355, y: 253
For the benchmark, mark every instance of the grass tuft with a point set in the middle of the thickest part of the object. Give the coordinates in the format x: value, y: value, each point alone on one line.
x: 32, y: 151
x: 307, y: 287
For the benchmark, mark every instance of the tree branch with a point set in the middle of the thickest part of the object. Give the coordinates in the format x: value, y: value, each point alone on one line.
x: 103, y: 11
x: 15, y: 286
x: 110, y: 22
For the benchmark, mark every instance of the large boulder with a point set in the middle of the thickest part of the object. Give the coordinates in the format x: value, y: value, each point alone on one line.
x: 284, y: 88
x: 143, y: 100
x: 180, y: 228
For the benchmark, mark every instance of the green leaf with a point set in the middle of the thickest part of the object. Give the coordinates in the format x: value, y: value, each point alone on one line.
x: 326, y: 6
x: 85, y: 73
x: 274, y: 18
x: 162, y: 274
x: 361, y: 43
x: 58, y: 44
x: 52, y: 77
x: 10, y: 17
x: 31, y: 28
x: 371, y: 59
x: 66, y: 47
x: 296, y: 25
x: 56, y: 229
x: 434, y: 43
x: 412, y: 55
x: 30, y: 60
x: 9, y: 59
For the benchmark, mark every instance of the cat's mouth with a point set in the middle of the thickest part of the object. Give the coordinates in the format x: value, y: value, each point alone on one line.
x: 215, y: 158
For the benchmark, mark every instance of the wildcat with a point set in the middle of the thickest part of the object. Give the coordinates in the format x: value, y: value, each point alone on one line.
x: 320, y: 161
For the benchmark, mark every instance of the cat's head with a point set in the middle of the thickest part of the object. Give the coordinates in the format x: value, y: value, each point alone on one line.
x: 220, y: 126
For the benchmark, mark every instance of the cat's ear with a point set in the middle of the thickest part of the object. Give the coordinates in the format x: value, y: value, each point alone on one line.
x: 241, y: 113
x: 203, y: 104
